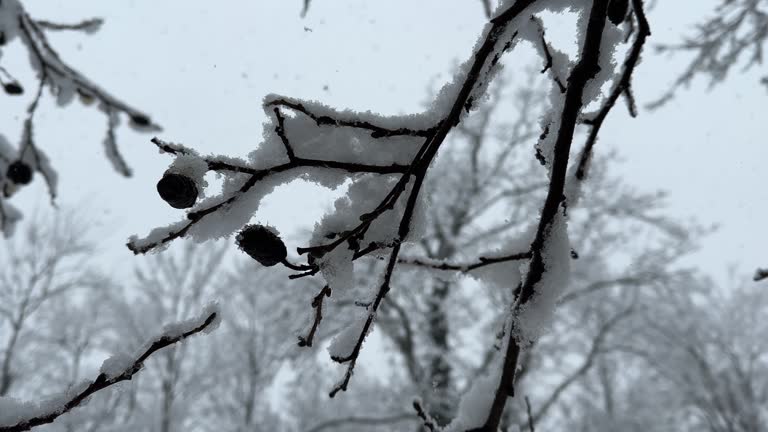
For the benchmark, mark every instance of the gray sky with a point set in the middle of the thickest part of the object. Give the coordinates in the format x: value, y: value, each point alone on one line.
x: 202, y: 68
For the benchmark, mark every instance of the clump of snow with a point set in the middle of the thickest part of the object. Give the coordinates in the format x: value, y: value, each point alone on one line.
x: 555, y: 6
x: 233, y: 216
x: 176, y: 329
x: 12, y: 410
x: 270, y: 152
x: 573, y: 186
x: 420, y: 220
x: 337, y: 268
x: 612, y: 37
x: 121, y: 362
x: 64, y: 91
x: 475, y: 404
x: 506, y: 274
x: 535, y: 316
x: 116, y: 364
x: 502, y: 275
x: 330, y: 179
x: 156, y: 235
x: 343, y: 345
x: 191, y: 166
x: 363, y: 196
x: 11, y: 216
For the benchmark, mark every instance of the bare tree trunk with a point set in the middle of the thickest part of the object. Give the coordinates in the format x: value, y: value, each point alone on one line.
x: 165, y: 419
x: 607, y: 384
x: 6, y: 377
x: 442, y: 397
x: 167, y: 391
x: 442, y: 400
x: 250, y: 401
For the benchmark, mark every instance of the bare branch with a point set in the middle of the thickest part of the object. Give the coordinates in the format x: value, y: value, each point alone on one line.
x: 738, y: 29
x: 465, y: 267
x: 487, y: 8
x: 528, y: 413
x: 594, y: 350
x: 317, y: 305
x: 305, y: 8
x: 426, y: 419
x: 89, y: 25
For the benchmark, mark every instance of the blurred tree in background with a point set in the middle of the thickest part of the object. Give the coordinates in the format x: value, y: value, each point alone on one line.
x: 640, y: 341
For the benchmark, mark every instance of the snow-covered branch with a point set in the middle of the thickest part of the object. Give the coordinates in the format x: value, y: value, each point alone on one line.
x: 18, y: 165
x: 465, y: 267
x: 387, y: 160
x: 547, y: 271
x: 622, y: 86
x: 16, y: 416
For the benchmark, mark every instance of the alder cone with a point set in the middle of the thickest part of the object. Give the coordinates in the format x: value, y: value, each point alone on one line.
x: 85, y: 98
x: 179, y: 191
x: 19, y: 173
x: 261, y: 244
x: 617, y: 11
x: 13, y: 88
x: 140, y: 120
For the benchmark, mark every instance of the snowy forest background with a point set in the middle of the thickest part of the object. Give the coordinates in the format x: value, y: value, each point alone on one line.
x: 661, y: 326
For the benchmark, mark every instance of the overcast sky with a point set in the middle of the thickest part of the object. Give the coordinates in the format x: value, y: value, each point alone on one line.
x: 201, y: 69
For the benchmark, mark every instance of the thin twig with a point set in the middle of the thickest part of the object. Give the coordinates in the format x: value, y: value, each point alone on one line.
x: 317, y: 305
x: 465, y: 267
x: 89, y: 25
x: 528, y: 413
x: 324, y: 120
x: 622, y: 86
